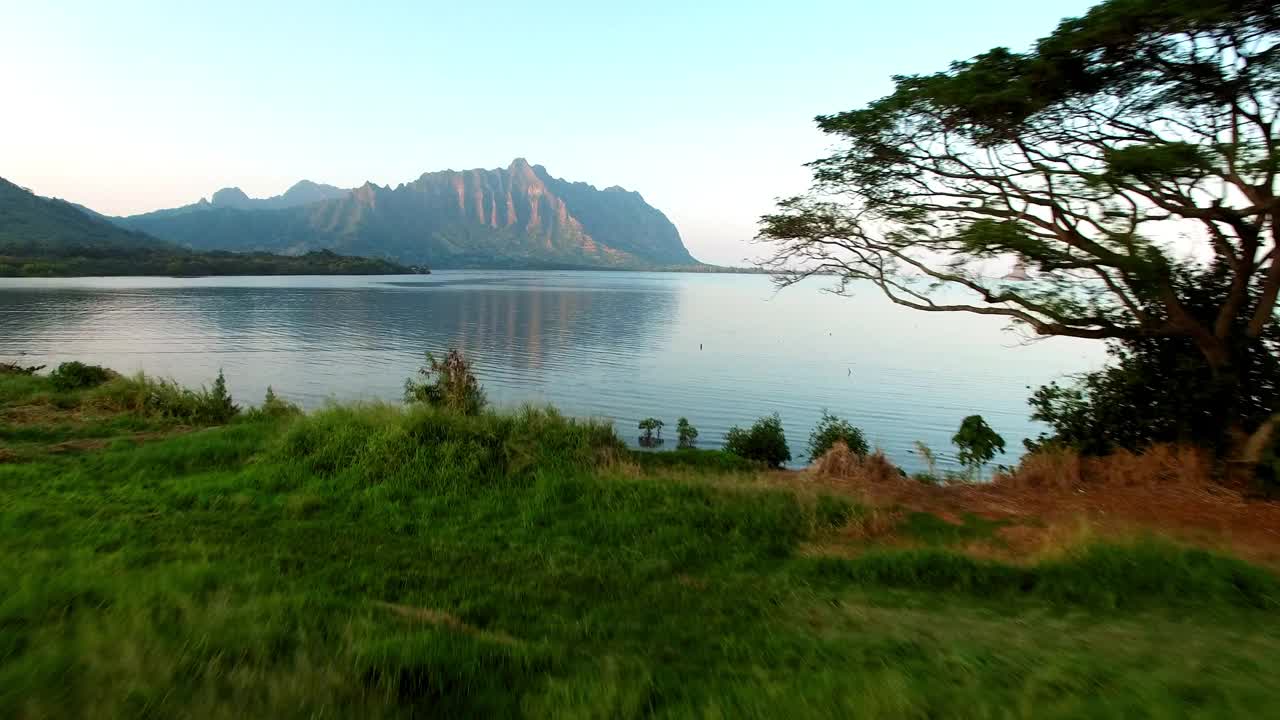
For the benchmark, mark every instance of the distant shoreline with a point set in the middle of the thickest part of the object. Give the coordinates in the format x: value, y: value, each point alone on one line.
x: 196, y: 276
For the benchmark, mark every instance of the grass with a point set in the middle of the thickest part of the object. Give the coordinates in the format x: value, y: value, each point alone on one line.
x: 372, y: 561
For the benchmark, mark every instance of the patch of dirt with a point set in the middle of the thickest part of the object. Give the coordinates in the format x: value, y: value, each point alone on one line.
x: 1046, y: 520
x: 41, y: 415
x: 690, y: 581
x: 88, y: 444
x: 440, y: 618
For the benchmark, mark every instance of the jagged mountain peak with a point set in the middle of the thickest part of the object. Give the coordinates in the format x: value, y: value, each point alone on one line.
x: 518, y: 216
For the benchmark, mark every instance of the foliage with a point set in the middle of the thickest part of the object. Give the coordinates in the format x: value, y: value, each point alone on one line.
x: 182, y: 263
x: 1160, y: 390
x: 42, y: 237
x: 695, y: 458
x: 274, y: 406
x: 930, y: 476
x: 649, y: 426
x: 7, y: 368
x: 831, y: 429
x: 161, y: 398
x: 834, y: 512
x: 765, y: 442
x: 687, y: 435
x: 1081, y: 159
x: 448, y: 383
x: 75, y: 375
x: 219, y: 406
x: 1101, y: 576
x: 977, y: 443
x: 926, y: 454
x: 386, y: 561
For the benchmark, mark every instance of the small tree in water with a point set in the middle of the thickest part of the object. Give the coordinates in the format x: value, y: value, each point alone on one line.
x: 448, y: 383
x: 687, y: 434
x: 649, y: 426
x: 977, y: 443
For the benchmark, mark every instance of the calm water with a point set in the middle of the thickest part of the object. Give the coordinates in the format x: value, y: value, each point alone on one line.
x: 719, y: 349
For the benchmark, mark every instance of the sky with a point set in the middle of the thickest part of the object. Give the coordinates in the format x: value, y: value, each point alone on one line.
x: 705, y: 108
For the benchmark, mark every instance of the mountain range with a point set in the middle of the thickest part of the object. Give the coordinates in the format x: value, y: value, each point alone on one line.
x: 519, y: 216
x: 47, y: 237
x: 34, y: 226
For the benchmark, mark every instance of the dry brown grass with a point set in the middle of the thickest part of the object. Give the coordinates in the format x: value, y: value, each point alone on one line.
x: 1160, y: 466
x: 1055, y: 500
x: 442, y: 619
x: 842, y: 464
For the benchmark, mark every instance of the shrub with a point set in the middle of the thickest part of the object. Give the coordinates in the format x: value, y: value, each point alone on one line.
x: 16, y: 369
x: 449, y: 383
x: 649, y: 426
x: 841, y: 463
x: 833, y: 512
x: 215, y: 405
x: 977, y: 443
x: 166, y: 398
x: 1160, y: 390
x: 765, y: 442
x: 274, y: 406
x: 831, y: 429
x: 426, y: 446
x: 687, y: 435
x: 716, y: 460
x: 76, y: 375
x: 1161, y: 466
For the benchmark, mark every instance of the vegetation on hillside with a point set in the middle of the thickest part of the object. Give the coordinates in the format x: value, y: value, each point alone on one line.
x: 42, y: 237
x: 381, y: 561
x: 181, y: 263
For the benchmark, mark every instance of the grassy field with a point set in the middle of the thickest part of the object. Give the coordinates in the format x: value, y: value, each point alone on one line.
x: 373, y: 561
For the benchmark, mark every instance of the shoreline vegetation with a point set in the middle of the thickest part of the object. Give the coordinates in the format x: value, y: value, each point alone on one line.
x: 167, y: 551
x: 319, y: 262
x: 167, y: 262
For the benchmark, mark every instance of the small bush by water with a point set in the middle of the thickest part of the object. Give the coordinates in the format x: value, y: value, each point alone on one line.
x: 76, y: 375
x: 448, y: 382
x: 764, y: 442
x: 830, y: 430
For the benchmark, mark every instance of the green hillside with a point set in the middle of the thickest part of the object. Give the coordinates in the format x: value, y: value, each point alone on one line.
x: 44, y: 237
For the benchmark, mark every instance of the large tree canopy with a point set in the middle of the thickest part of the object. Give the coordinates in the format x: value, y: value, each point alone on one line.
x: 1130, y: 148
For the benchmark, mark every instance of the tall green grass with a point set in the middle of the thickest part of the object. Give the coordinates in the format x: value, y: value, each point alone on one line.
x: 378, y: 561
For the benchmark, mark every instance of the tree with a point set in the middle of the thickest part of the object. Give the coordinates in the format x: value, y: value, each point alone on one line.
x: 448, y: 383
x: 831, y: 429
x: 649, y: 425
x: 687, y: 435
x: 216, y: 405
x: 977, y: 443
x: 1160, y: 389
x: 764, y: 442
x: 1132, y: 148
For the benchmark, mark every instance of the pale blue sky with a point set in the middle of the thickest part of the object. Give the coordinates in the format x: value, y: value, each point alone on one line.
x: 705, y: 108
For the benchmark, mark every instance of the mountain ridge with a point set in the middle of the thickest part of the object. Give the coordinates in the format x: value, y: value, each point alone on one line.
x: 48, y: 237
x: 518, y: 216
